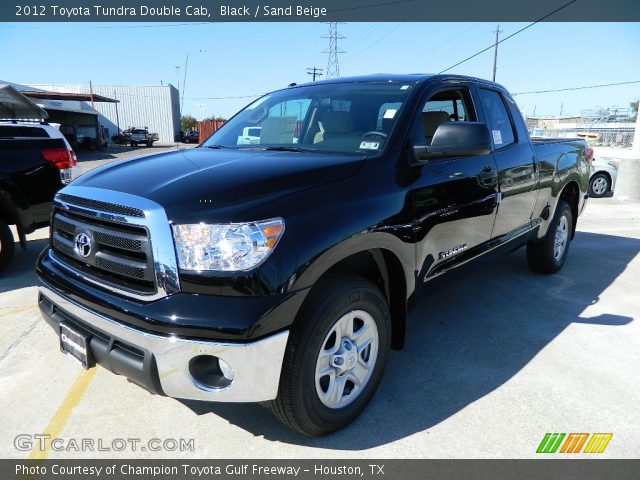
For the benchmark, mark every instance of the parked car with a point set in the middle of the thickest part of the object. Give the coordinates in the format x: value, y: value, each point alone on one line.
x: 283, y: 271
x: 36, y: 161
x: 604, y: 173
x: 191, y: 137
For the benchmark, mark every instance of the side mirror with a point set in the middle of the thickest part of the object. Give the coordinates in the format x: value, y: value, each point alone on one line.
x: 456, y: 139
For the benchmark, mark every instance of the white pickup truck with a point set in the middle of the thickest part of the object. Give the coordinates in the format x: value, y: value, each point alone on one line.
x: 250, y: 136
x: 139, y: 136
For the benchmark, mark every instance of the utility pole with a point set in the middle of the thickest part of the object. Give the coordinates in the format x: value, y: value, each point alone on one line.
x: 184, y: 81
x: 333, y: 67
x: 495, y: 52
x: 314, y: 72
x: 117, y: 116
x: 178, y: 75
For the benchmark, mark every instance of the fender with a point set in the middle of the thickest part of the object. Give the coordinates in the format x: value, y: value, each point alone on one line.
x: 362, y: 242
x: 565, y: 172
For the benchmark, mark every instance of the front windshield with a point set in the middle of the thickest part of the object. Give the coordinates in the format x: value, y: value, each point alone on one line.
x: 337, y: 118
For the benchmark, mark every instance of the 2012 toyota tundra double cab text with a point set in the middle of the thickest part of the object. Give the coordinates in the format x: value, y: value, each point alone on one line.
x: 282, y: 270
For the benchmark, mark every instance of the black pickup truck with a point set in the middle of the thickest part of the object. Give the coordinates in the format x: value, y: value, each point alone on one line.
x: 283, y: 270
x: 35, y: 162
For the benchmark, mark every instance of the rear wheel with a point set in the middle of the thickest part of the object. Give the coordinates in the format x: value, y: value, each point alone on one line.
x: 599, y: 185
x: 336, y: 356
x: 548, y: 254
x: 7, y: 246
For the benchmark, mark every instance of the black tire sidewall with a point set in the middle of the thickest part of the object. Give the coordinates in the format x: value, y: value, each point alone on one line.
x: 359, y: 295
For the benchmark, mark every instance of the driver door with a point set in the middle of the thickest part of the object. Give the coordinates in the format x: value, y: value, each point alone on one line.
x: 454, y: 199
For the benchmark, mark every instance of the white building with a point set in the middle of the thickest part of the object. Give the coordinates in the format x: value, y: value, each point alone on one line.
x: 156, y: 107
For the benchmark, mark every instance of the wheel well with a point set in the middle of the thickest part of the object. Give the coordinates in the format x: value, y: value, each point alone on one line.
x: 571, y: 194
x: 383, y: 269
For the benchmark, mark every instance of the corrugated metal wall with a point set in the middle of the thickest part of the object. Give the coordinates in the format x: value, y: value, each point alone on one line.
x: 154, y: 107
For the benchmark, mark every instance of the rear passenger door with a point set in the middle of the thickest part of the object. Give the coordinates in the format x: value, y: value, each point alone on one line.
x: 454, y: 199
x: 515, y: 159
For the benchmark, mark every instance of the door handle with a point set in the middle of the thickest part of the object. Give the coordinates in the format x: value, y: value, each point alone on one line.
x: 488, y: 175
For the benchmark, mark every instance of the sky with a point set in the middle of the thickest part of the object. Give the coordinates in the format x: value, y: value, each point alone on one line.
x: 247, y: 59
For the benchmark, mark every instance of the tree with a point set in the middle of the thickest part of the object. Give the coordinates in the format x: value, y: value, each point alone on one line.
x: 187, y: 122
x: 214, y: 117
x: 634, y: 106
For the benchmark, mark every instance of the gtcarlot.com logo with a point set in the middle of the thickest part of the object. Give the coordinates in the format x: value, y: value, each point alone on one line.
x: 574, y: 443
x: 44, y: 442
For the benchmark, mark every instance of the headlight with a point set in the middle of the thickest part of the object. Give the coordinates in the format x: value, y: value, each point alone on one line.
x: 227, y: 247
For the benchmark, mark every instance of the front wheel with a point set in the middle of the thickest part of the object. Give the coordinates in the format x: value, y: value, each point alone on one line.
x: 7, y: 246
x: 548, y: 254
x: 335, y: 357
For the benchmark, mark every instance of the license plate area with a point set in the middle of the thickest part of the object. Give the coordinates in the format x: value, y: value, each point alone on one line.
x: 74, y: 341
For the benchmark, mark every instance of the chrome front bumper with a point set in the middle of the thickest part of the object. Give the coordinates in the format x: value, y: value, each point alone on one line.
x: 256, y: 365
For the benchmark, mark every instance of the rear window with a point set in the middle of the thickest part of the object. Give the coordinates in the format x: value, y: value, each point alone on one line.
x: 140, y: 132
x: 19, y: 131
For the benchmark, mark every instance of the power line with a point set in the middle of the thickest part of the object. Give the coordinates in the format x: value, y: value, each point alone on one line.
x: 577, y: 88
x: 508, y: 37
x: 380, y: 39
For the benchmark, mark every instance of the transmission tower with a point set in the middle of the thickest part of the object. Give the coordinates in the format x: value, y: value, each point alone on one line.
x: 333, y: 67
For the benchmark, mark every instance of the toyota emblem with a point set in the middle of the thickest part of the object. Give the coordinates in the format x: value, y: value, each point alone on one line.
x: 82, y: 244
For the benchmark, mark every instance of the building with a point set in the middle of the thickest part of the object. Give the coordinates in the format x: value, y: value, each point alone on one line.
x: 155, y: 107
x: 77, y: 119
x: 599, y: 130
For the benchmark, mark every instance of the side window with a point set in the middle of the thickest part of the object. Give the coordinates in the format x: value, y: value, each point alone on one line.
x: 500, y: 122
x: 445, y: 106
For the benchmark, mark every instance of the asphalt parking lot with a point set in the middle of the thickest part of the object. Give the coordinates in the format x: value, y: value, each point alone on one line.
x: 494, y: 360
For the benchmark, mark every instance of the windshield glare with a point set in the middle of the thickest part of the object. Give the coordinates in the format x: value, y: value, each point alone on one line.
x: 338, y: 118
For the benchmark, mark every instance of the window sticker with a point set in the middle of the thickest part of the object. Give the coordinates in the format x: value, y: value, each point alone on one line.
x: 497, y: 137
x: 369, y: 145
x: 390, y: 113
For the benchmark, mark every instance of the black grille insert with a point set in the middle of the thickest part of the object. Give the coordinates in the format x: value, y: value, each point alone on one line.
x: 102, y: 206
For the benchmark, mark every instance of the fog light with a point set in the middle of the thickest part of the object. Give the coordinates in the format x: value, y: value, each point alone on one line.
x: 210, y: 373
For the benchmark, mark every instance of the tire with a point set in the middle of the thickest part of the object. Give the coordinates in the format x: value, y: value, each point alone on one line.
x: 599, y: 185
x: 304, y: 400
x: 7, y: 246
x: 132, y: 144
x: 548, y: 254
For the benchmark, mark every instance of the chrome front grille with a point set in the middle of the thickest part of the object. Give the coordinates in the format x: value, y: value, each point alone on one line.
x: 109, y: 243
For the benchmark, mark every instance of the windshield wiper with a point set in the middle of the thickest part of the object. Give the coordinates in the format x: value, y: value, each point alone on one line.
x: 285, y: 148
x: 216, y: 146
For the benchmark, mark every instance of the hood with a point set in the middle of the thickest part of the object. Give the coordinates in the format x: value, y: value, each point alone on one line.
x: 222, y: 183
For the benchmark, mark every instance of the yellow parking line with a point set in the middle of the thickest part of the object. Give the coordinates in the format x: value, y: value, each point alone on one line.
x: 64, y: 411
